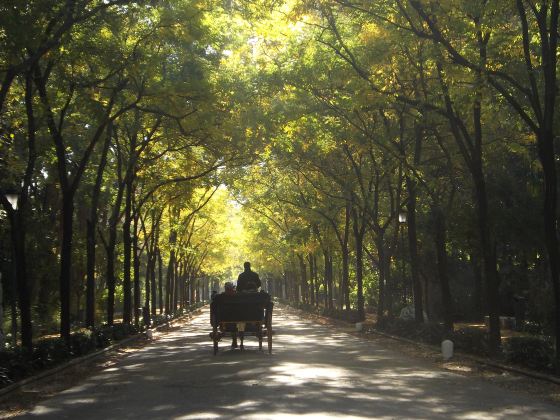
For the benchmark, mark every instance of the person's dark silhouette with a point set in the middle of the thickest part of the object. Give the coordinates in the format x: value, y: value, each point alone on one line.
x: 248, y: 281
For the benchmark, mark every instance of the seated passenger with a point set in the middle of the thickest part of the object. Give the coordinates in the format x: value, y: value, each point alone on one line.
x: 229, y: 288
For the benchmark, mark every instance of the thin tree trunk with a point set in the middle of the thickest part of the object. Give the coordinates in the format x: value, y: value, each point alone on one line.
x: 546, y: 154
x: 19, y: 231
x: 148, y: 283
x: 303, y: 274
x: 66, y: 263
x: 127, y: 248
x: 477, y: 289
x: 381, y: 271
x: 359, y: 245
x: 169, y: 283
x: 413, y: 250
x: 160, y: 280
x: 311, y: 280
x: 441, y: 254
x: 345, y: 258
x: 153, y: 281
x: 176, y: 283
x: 136, y: 265
x: 92, y: 232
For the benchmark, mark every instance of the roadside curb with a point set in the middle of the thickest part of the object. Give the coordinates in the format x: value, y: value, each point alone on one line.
x: 17, y: 385
x: 480, y: 360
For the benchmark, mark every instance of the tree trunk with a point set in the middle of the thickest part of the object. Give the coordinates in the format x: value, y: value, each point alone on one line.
x: 24, y: 296
x: 441, y: 255
x: 489, y: 264
x: 478, y: 305
x: 359, y: 245
x: 546, y: 155
x: 149, y: 282
x: 381, y: 271
x: 192, y: 296
x: 325, y: 278
x: 111, y: 280
x: 345, y: 258
x: 153, y: 281
x: 160, y: 281
x: 389, y: 287
x: 136, y: 265
x: 66, y: 263
x: 413, y: 250
x: 176, y: 283
x: 110, y: 248
x: 19, y: 231
x: 169, y: 283
x: 127, y: 248
x: 303, y: 274
x: 312, y: 282
x: 91, y: 234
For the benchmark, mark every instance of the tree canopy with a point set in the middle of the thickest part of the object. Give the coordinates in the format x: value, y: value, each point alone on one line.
x: 364, y: 156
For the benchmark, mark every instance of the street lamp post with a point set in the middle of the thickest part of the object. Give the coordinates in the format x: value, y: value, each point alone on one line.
x: 1, y: 315
x: 402, y: 222
x: 13, y: 198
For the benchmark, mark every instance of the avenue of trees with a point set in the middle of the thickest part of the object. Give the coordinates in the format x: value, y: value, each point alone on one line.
x: 381, y: 155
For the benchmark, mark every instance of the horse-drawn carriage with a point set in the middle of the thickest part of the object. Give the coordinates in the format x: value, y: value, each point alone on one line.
x: 239, y: 315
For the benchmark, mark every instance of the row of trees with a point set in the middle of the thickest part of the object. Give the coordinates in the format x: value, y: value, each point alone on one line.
x: 438, y: 113
x: 113, y: 133
x: 383, y: 154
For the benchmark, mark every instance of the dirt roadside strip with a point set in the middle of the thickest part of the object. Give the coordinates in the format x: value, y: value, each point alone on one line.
x: 433, y: 348
x: 7, y: 390
x: 481, y: 360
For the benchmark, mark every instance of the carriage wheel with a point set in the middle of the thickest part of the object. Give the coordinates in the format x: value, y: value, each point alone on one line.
x: 260, y: 334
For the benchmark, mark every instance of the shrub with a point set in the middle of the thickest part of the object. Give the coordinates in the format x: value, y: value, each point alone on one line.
x: 159, y: 319
x: 107, y: 334
x: 305, y: 307
x: 472, y: 340
x: 533, y: 352
x: 349, y: 316
x: 121, y: 330
x: 49, y: 351
x: 398, y: 326
x: 14, y: 365
x: 103, y: 336
x: 82, y: 342
x: 531, y: 328
x: 4, y: 376
x: 429, y: 333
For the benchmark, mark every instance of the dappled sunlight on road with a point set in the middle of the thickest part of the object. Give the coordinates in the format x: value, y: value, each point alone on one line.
x: 314, y: 372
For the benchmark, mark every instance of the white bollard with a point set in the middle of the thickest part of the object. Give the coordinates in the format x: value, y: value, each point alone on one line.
x: 447, y: 349
x: 359, y: 326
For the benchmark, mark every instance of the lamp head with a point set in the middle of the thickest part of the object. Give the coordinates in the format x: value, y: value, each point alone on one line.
x: 13, y: 199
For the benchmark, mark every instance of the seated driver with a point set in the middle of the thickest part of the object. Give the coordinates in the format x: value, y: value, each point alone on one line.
x: 248, y: 281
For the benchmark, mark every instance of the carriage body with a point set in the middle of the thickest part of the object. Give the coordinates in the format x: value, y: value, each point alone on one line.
x: 241, y: 314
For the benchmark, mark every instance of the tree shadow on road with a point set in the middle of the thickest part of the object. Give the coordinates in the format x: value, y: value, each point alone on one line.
x: 313, y: 372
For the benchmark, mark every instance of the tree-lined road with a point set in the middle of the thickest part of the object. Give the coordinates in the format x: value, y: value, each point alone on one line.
x: 314, y: 372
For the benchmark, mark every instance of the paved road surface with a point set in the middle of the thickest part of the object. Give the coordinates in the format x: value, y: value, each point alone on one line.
x: 314, y: 372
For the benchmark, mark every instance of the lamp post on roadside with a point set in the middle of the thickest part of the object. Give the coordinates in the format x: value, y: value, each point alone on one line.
x: 2, y: 338
x: 402, y: 222
x: 12, y: 198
